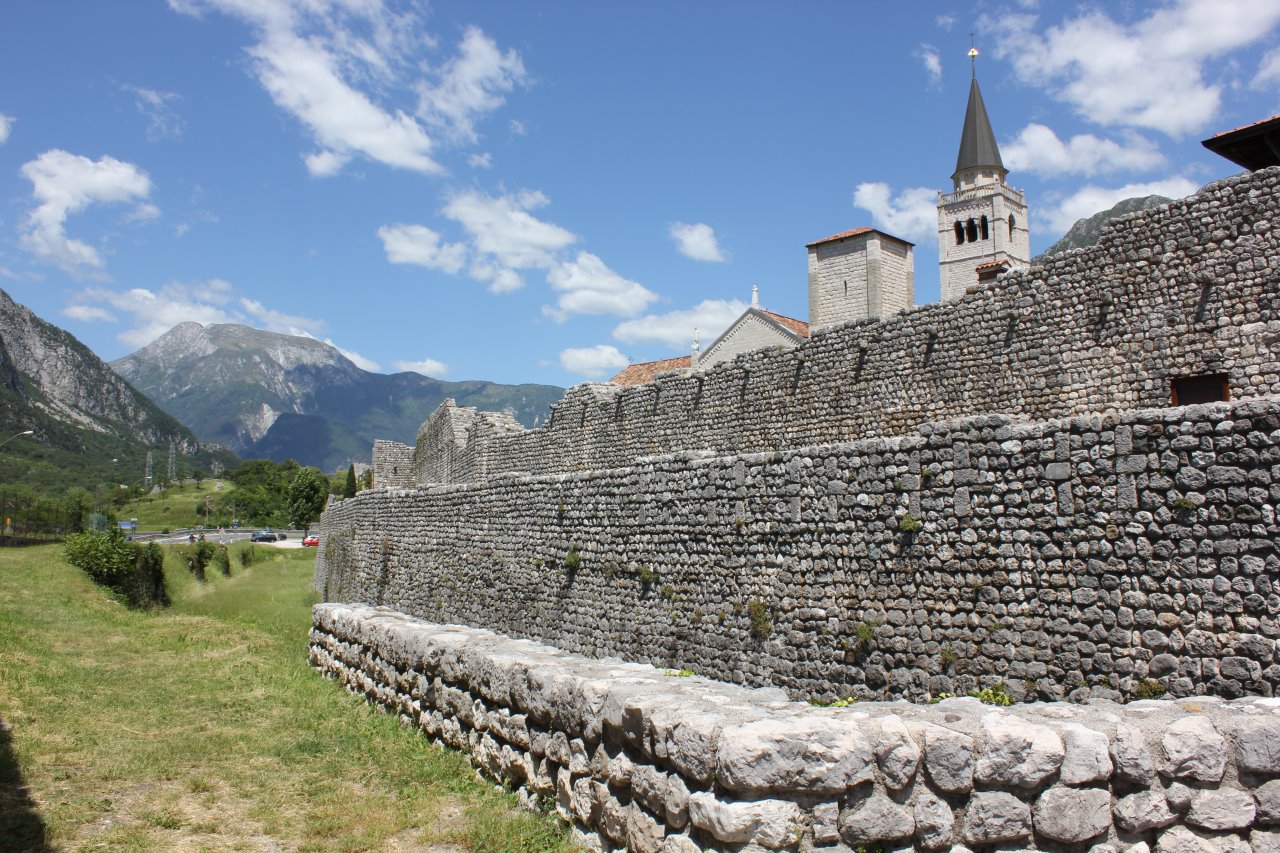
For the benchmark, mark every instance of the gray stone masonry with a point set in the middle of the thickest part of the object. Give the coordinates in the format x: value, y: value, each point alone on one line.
x: 1110, y: 555
x: 651, y: 761
x: 1186, y: 289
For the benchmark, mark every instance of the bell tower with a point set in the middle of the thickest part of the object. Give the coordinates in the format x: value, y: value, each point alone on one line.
x: 982, y: 223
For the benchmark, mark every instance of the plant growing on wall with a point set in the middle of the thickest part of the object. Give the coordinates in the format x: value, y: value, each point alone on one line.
x: 761, y: 621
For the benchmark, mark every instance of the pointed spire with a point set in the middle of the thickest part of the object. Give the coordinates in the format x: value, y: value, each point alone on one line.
x: 978, y: 149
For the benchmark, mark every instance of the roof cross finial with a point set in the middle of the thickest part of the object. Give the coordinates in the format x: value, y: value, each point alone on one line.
x: 755, y: 296
x: 973, y: 56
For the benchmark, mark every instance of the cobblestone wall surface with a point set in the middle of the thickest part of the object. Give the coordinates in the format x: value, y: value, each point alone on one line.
x: 1186, y: 289
x: 1100, y: 555
x: 650, y: 761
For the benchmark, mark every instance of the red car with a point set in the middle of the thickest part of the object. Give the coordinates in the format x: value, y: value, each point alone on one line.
x: 311, y: 539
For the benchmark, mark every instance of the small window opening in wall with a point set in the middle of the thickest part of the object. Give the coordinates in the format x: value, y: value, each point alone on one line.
x: 1202, y: 304
x: 971, y: 231
x: 986, y: 229
x: 846, y: 287
x: 859, y: 363
x: 1207, y: 388
x: 1012, y: 222
x: 929, y: 347
x: 959, y: 233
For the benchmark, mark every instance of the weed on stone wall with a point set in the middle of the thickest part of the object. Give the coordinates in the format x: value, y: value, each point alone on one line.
x: 761, y: 620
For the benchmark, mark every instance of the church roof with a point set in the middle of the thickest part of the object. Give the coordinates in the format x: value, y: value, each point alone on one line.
x: 978, y: 149
x: 645, y: 371
x: 800, y: 327
x: 1254, y: 146
x: 855, y: 232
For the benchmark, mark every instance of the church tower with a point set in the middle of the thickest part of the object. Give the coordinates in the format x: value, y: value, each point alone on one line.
x: 982, y: 224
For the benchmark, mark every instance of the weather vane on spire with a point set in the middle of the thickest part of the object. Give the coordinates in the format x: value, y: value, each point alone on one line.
x: 973, y: 56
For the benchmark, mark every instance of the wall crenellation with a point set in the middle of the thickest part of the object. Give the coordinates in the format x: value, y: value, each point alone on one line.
x: 1187, y: 289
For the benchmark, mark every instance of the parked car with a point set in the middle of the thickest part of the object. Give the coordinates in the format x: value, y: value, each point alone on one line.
x: 281, y: 536
x: 311, y: 539
x: 265, y: 535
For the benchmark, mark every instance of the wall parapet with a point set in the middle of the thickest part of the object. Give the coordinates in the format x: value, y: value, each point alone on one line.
x: 1181, y: 290
x: 654, y: 761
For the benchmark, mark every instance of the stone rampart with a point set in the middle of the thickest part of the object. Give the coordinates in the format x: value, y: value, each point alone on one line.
x: 1188, y: 289
x: 652, y: 761
x: 1108, y: 555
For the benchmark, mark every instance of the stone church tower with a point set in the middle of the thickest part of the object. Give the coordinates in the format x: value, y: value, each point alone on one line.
x: 982, y: 225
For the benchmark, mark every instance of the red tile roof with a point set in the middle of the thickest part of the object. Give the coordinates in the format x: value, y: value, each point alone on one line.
x: 645, y: 371
x: 800, y: 327
x: 991, y: 265
x: 1246, y: 126
x: 855, y: 232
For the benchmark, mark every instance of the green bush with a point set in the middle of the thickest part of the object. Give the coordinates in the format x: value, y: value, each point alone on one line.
x: 761, y: 621
x: 198, y: 556
x: 222, y: 559
x: 135, y: 573
x: 248, y: 556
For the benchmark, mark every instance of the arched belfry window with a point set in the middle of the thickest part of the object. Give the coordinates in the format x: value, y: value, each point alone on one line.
x: 986, y: 229
x: 1012, y: 222
x: 959, y: 232
x: 971, y: 231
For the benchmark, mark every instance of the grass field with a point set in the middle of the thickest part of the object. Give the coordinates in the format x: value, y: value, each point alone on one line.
x: 202, y: 728
x: 175, y: 507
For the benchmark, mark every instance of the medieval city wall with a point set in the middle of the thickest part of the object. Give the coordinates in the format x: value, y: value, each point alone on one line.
x: 1190, y: 288
x: 1107, y: 555
x: 657, y: 761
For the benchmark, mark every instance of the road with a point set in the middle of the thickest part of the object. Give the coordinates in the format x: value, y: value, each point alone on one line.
x: 183, y: 537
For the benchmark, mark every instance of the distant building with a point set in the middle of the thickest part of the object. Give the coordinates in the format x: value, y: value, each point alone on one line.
x: 858, y: 275
x: 982, y: 223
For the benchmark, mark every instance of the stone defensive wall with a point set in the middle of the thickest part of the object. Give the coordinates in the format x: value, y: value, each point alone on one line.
x: 1189, y: 289
x: 649, y: 761
x: 1119, y: 555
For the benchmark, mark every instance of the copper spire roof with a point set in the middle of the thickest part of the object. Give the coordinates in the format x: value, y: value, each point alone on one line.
x: 978, y: 149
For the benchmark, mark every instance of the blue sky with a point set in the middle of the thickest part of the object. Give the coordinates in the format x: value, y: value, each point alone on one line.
x: 538, y: 192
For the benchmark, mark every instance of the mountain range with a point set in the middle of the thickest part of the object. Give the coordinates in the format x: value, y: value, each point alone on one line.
x: 88, y: 424
x: 269, y: 395
x: 1085, y: 232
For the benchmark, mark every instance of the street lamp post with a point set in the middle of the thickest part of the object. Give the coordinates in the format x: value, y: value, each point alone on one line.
x: 19, y: 435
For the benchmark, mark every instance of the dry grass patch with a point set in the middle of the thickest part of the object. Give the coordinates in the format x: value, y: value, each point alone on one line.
x: 202, y: 728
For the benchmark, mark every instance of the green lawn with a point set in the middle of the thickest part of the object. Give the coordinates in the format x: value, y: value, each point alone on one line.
x: 176, y: 507
x: 202, y: 728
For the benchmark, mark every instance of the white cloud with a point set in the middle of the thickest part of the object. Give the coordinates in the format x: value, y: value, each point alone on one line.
x: 419, y: 245
x: 162, y: 121
x: 587, y: 286
x: 356, y: 358
x: 675, y: 328
x: 64, y: 184
x: 88, y: 313
x: 505, y: 236
x: 1268, y: 75
x: 945, y: 22
x: 911, y: 215
x: 6, y: 125
x: 697, y: 241
x: 1091, y: 200
x: 302, y: 77
x: 928, y: 56
x: 518, y: 128
x: 151, y: 313
x: 278, y: 321
x: 1038, y: 149
x: 145, y: 212
x: 354, y: 71
x: 1146, y: 74
x: 593, y: 362
x: 471, y: 85
x: 482, y: 160
x: 427, y: 367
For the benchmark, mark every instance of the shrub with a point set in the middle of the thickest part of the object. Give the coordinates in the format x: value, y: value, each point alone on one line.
x: 135, y: 573
x: 198, y: 557
x: 996, y: 694
x: 910, y: 524
x: 1149, y: 688
x: 865, y: 634
x: 761, y: 621
x: 222, y: 559
x: 573, y: 559
x: 248, y: 556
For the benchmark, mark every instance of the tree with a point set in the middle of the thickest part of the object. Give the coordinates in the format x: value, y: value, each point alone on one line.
x: 306, y: 496
x: 349, y: 490
x: 366, y: 479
